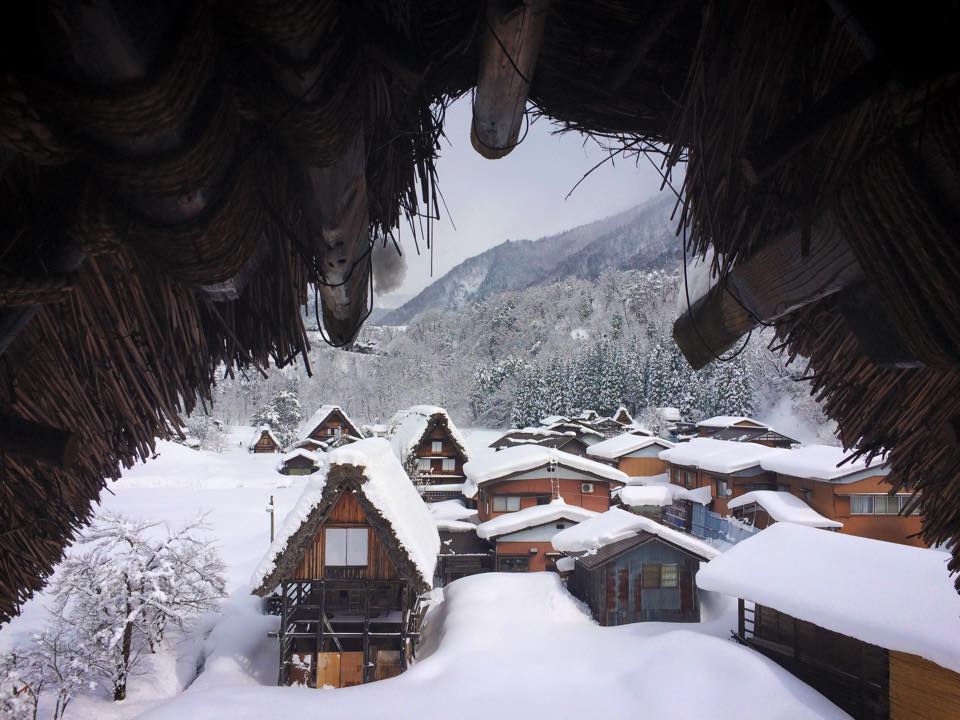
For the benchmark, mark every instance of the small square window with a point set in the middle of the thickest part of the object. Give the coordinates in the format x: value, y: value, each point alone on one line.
x: 436, y: 447
x: 423, y: 464
x: 669, y: 575
x: 449, y: 464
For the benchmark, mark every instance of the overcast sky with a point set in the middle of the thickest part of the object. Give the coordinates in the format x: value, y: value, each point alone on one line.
x: 520, y: 196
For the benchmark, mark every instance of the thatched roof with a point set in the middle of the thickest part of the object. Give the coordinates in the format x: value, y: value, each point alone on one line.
x: 175, y: 175
x: 392, y: 507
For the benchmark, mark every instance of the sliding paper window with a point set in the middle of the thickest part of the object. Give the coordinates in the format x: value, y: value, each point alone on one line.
x: 346, y: 547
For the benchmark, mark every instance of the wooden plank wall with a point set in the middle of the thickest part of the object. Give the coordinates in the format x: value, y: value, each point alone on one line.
x: 347, y: 512
x: 922, y: 689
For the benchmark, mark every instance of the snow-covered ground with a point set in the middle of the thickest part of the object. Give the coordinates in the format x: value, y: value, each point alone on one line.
x: 495, y: 646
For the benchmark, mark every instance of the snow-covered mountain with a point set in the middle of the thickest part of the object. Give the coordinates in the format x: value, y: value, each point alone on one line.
x: 641, y: 238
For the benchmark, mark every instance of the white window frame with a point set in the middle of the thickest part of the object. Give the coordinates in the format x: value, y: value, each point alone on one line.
x: 346, y: 547
x: 436, y: 446
x: 506, y: 503
x: 449, y: 464
x: 424, y: 464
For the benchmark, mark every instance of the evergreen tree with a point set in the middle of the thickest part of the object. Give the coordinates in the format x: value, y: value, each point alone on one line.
x: 733, y: 392
x: 282, y: 414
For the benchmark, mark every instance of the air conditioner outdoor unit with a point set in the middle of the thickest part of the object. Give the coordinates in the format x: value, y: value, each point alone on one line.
x: 586, y: 487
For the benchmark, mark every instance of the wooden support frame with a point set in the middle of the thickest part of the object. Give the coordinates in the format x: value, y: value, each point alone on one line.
x: 778, y: 279
x: 509, y: 51
x: 304, y: 617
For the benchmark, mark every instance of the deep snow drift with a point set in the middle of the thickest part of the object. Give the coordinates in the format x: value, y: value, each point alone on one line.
x: 510, y: 646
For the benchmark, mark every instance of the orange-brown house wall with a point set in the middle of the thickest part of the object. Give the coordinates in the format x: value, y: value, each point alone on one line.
x: 537, y: 561
x: 832, y: 501
x: 570, y: 491
x: 642, y: 466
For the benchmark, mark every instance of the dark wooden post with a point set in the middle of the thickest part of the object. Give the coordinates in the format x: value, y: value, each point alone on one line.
x: 741, y: 621
x: 366, y: 630
x: 284, y: 645
x: 511, y: 45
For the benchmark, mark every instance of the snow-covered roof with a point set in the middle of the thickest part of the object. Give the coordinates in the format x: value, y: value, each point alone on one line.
x: 554, y: 419
x: 407, y: 428
x: 725, y: 421
x: 701, y: 495
x: 386, y: 487
x: 660, y: 494
x: 301, y: 452
x: 658, y: 479
x: 453, y: 515
x: 819, y: 462
x: 617, y: 524
x: 521, y: 458
x: 620, y: 445
x: 565, y: 564
x: 895, y: 596
x: 669, y: 414
x: 307, y: 426
x: 719, y: 456
x: 784, y: 507
x: 532, y: 517
x: 258, y: 433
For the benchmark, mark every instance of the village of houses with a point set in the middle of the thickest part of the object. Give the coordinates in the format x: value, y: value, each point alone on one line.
x: 821, y: 561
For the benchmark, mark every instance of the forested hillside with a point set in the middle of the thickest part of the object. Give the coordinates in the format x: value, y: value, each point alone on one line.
x: 553, y: 348
x: 640, y: 238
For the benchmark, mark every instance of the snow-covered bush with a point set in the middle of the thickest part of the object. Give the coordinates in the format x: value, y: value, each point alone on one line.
x: 54, y: 663
x: 282, y: 414
x: 207, y: 431
x: 118, y: 596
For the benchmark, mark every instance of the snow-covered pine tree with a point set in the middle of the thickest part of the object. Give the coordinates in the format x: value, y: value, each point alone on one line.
x: 282, y: 414
x: 733, y: 391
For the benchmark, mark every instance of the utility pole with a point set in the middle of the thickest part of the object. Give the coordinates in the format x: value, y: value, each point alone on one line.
x: 270, y: 509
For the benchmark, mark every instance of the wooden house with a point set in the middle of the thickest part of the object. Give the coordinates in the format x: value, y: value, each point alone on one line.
x: 264, y: 441
x: 853, y: 492
x: 330, y: 425
x: 581, y: 429
x: 760, y: 436
x: 352, y: 562
x: 628, y: 568
x: 431, y: 450
x: 711, y: 426
x: 623, y: 416
x: 727, y: 468
x: 309, y: 444
x: 522, y: 539
x: 565, y: 441
x: 874, y: 626
x: 517, y: 478
x: 462, y: 552
x: 635, y: 455
x: 299, y: 461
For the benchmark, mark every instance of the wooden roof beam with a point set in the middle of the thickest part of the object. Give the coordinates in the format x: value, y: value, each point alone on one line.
x: 780, y: 278
x: 511, y: 45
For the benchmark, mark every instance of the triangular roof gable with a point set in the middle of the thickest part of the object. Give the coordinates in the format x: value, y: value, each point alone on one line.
x: 614, y: 550
x: 336, y: 410
x: 341, y: 479
x: 436, y: 420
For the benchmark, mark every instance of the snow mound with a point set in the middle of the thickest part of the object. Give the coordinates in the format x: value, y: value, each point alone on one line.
x: 784, y: 507
x: 896, y: 596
